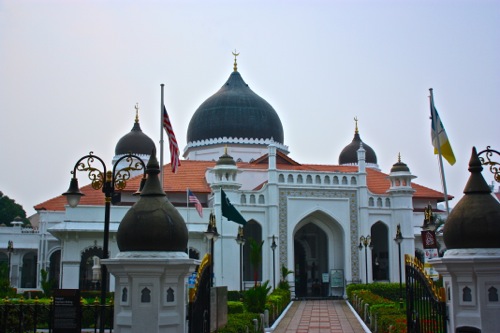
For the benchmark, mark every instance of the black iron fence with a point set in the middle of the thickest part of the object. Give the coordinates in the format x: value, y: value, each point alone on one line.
x: 425, y: 302
x: 23, y: 317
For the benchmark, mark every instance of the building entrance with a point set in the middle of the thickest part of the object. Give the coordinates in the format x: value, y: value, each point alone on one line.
x: 311, y: 261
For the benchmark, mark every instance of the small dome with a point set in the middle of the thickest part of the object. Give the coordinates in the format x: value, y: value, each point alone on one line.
x: 475, y: 220
x: 226, y: 159
x: 235, y: 111
x: 152, y: 223
x: 349, y: 154
x: 135, y: 142
x: 400, y: 166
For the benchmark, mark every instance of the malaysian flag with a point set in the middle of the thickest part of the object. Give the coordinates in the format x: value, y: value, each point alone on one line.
x: 174, y: 148
x: 193, y: 199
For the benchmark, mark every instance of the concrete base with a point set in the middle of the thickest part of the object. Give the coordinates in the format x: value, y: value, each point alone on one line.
x: 471, y: 278
x: 150, y: 291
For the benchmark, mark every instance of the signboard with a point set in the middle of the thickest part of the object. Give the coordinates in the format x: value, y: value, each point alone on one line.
x: 325, y: 277
x: 67, y: 311
x: 337, y: 278
x: 429, y: 239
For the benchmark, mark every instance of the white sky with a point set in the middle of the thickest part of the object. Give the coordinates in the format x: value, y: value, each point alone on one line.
x: 72, y: 71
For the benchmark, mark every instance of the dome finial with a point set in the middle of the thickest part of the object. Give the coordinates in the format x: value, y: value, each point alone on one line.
x: 399, y: 157
x: 136, y: 112
x: 356, y: 128
x: 235, y: 53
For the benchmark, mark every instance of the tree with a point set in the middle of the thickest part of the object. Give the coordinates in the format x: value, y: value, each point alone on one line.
x: 255, y: 257
x: 9, y: 210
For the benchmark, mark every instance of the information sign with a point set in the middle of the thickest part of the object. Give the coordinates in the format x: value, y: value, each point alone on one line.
x: 67, y: 311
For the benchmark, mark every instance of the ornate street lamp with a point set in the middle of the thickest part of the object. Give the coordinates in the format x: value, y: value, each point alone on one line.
x: 399, y: 240
x: 212, y: 235
x: 108, y: 181
x: 366, y: 242
x: 273, y: 247
x: 10, y: 249
x: 241, y: 241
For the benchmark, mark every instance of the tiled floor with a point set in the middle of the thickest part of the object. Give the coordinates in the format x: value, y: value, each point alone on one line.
x: 320, y: 316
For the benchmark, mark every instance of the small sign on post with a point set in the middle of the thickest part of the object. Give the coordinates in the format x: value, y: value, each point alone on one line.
x: 67, y: 312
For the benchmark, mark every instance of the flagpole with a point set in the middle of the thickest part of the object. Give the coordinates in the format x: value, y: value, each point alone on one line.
x: 443, y: 179
x: 161, y: 137
x: 221, y: 247
x: 187, y: 205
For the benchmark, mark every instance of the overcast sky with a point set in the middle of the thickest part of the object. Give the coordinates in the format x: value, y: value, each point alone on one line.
x: 72, y: 71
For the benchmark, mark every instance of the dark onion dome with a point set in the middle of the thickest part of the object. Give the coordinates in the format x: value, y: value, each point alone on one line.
x: 399, y: 166
x: 235, y: 111
x: 152, y: 223
x: 349, y: 155
x: 135, y: 142
x: 475, y: 220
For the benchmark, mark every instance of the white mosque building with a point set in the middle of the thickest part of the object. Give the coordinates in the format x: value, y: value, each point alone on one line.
x: 316, y: 214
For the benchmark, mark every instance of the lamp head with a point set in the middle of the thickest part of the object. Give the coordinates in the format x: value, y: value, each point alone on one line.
x: 73, y: 193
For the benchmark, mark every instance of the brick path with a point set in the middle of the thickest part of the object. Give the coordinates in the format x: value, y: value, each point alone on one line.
x: 320, y: 316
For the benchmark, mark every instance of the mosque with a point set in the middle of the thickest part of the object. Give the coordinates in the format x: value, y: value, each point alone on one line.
x: 311, y: 218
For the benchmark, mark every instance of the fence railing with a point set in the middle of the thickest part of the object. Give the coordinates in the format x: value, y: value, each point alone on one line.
x: 22, y: 317
x: 425, y: 302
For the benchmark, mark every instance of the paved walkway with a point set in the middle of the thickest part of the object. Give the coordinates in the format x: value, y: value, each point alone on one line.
x: 320, y: 316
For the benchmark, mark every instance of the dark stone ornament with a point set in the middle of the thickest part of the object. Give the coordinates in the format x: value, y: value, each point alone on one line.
x: 475, y: 220
x: 152, y: 223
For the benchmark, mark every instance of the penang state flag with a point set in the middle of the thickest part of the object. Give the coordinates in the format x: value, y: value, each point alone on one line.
x: 439, y: 138
x: 228, y: 210
x: 193, y: 199
x: 174, y: 148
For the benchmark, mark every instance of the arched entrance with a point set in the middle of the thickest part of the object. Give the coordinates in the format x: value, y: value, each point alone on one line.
x: 380, y: 252
x: 86, y: 264
x: 28, y: 274
x: 318, y: 248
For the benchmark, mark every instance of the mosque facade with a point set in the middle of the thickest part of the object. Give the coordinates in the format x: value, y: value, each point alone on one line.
x: 316, y: 214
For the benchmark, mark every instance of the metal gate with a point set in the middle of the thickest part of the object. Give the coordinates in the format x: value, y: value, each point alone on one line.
x: 199, y: 299
x: 425, y: 302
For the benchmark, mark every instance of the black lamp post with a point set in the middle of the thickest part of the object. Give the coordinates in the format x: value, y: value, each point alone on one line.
x: 273, y: 247
x: 399, y: 240
x: 241, y: 241
x: 366, y: 242
x: 10, y: 249
x: 212, y: 235
x: 109, y: 182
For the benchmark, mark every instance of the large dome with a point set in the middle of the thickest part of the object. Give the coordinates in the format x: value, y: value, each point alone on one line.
x: 135, y: 142
x: 235, y: 111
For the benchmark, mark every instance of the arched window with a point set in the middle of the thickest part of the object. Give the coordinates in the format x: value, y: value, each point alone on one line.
x: 299, y: 179
x: 371, y: 202
x: 387, y: 202
x: 327, y: 180
x: 309, y: 179
x: 353, y: 181
x: 243, y: 199
x: 335, y: 180
x: 344, y: 180
x: 253, y: 234
x: 261, y: 199
x: 281, y: 178
x: 290, y: 179
x: 318, y: 179
x: 379, y: 202
x: 252, y: 199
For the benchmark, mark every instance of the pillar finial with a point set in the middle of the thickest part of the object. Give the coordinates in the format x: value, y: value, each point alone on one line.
x: 356, y: 126
x: 136, y: 112
x: 235, y: 66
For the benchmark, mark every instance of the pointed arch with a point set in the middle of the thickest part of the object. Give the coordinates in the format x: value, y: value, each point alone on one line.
x: 252, y: 230
x: 380, y: 252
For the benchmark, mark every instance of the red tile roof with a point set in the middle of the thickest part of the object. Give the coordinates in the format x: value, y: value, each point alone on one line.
x: 191, y: 174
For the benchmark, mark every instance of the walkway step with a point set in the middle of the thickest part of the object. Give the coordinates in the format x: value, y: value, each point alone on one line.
x: 319, y: 316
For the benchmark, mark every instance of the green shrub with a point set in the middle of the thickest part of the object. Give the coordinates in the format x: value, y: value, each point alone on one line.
x: 256, y: 297
x: 235, y: 307
x: 238, y: 322
x: 235, y: 295
x: 397, y: 321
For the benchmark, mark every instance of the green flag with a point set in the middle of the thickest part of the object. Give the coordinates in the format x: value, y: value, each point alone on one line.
x: 228, y: 210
